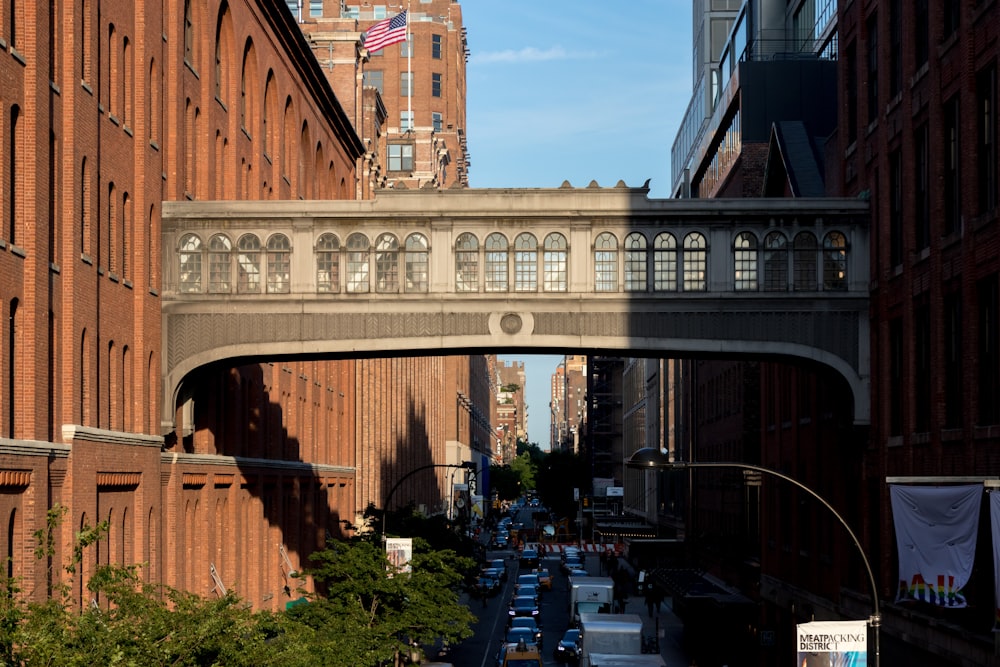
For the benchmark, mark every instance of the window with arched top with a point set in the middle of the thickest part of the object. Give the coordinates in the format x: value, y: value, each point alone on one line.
x: 248, y: 264
x: 804, y: 262
x: 835, y: 261
x: 525, y: 263
x: 189, y: 41
x: 555, y: 262
x: 635, y: 262
x: 606, y: 263
x: 775, y: 260
x: 279, y: 264
x: 496, y: 262
x: 416, y: 263
x: 189, y: 269
x: 467, y: 263
x: 386, y: 263
x: 220, y: 259
x: 695, y: 262
x: 357, y: 263
x: 267, y: 113
x: 745, y: 262
x: 328, y: 263
x: 664, y: 262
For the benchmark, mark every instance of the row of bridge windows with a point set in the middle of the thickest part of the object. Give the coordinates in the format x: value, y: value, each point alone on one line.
x: 635, y: 264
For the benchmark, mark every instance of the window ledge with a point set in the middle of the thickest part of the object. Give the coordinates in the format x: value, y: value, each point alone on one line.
x: 86, y: 259
x: 18, y: 250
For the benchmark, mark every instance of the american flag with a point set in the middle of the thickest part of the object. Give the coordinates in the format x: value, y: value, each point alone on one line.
x: 384, y: 33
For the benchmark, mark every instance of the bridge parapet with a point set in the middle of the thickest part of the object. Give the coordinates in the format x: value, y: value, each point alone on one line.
x: 548, y: 269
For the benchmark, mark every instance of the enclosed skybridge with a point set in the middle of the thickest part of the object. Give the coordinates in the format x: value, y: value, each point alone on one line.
x: 497, y: 270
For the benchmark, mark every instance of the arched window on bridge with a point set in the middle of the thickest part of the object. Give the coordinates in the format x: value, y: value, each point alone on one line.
x: 189, y: 277
x: 635, y: 262
x: 555, y: 262
x: 386, y: 263
x: 496, y: 262
x: 416, y: 263
x: 835, y: 261
x: 695, y: 262
x: 804, y: 262
x: 220, y: 267
x: 745, y: 262
x: 328, y: 263
x: 606, y: 263
x: 467, y: 263
x: 525, y: 263
x: 775, y: 262
x: 357, y: 263
x: 248, y: 264
x: 279, y: 251
x: 664, y: 263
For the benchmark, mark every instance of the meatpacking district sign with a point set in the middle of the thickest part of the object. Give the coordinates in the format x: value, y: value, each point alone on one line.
x: 829, y: 643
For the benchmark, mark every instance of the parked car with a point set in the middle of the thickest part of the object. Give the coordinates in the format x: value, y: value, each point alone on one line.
x: 488, y: 585
x: 568, y: 648
x: 501, y: 565
x: 531, y: 624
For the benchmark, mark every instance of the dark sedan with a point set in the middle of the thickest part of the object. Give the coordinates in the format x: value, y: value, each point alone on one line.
x: 523, y: 605
x: 568, y: 648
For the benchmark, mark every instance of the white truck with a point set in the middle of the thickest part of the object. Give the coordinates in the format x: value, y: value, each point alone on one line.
x: 644, y: 660
x: 589, y: 595
x: 609, y: 637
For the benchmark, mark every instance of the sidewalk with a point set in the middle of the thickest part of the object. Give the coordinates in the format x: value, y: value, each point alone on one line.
x: 663, y: 624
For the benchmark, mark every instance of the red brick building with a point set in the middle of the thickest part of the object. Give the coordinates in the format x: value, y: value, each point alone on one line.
x: 917, y: 135
x: 109, y: 109
x: 421, y: 83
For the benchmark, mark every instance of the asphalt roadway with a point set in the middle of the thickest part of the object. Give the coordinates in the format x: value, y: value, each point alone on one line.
x: 481, y: 649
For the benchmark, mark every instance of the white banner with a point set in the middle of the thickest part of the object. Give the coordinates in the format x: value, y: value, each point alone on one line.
x: 832, y: 644
x: 399, y: 550
x: 936, y: 541
x: 995, y: 522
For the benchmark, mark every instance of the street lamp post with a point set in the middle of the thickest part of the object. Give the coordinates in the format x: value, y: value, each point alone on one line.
x: 651, y: 458
x: 468, y: 465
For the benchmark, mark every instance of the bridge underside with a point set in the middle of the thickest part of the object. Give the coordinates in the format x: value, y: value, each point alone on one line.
x: 835, y: 335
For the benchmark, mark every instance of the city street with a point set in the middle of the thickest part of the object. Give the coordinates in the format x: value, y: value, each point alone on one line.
x: 481, y: 649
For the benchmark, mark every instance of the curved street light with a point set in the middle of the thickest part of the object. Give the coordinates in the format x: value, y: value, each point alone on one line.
x: 468, y: 465
x: 651, y: 458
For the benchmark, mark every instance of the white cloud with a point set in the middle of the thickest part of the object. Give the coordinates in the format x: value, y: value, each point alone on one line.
x: 529, y: 54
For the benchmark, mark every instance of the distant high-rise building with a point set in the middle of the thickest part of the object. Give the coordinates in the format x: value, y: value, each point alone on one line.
x: 511, y: 418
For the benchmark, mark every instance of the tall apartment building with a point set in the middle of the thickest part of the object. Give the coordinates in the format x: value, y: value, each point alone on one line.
x: 568, y: 403
x: 420, y: 86
x: 511, y: 412
x: 110, y: 111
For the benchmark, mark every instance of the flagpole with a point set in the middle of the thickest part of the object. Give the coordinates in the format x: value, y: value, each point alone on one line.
x: 409, y: 70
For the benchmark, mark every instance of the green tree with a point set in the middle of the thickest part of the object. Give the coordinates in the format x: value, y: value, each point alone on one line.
x: 558, y: 474
x: 524, y: 467
x: 368, y: 613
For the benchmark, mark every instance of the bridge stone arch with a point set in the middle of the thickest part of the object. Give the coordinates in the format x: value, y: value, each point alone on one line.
x: 736, y: 306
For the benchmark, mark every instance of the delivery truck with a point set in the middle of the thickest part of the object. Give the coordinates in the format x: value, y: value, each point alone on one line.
x: 589, y: 595
x: 606, y: 636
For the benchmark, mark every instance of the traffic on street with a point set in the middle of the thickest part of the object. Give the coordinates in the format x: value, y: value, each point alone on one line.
x: 540, y: 624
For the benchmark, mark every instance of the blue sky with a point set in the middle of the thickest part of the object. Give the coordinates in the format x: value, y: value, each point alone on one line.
x: 578, y: 91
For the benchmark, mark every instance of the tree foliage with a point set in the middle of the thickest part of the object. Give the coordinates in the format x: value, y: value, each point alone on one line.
x: 364, y: 615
